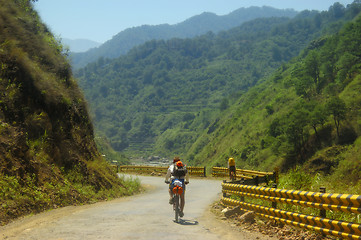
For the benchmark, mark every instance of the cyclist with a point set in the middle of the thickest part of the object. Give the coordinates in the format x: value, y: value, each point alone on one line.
x: 177, y: 171
x: 232, y: 168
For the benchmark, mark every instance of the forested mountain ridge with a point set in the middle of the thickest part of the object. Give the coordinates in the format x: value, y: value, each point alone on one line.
x: 121, y: 43
x: 48, y: 157
x: 307, y: 114
x: 163, y: 96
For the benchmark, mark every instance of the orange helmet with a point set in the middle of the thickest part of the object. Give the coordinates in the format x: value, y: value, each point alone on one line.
x: 179, y: 164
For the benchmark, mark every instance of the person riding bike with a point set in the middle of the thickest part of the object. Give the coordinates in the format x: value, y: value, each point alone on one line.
x: 177, y: 170
x: 232, y: 168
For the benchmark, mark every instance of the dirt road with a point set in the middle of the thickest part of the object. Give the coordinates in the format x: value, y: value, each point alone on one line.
x: 145, y: 216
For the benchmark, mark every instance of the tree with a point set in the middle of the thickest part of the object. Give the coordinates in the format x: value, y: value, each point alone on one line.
x: 345, y: 64
x: 317, y: 20
x: 303, y: 83
x: 317, y: 117
x: 337, y: 108
x: 337, y: 10
x: 303, y: 87
x: 296, y: 125
x: 275, y: 128
x: 312, y: 68
x: 269, y: 109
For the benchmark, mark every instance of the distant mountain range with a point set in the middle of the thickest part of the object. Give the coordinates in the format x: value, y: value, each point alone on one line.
x: 80, y: 45
x: 121, y: 43
x: 271, y: 92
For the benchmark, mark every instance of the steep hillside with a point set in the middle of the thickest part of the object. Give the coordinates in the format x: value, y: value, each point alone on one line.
x: 307, y: 114
x: 162, y: 95
x: 48, y: 157
x: 121, y: 43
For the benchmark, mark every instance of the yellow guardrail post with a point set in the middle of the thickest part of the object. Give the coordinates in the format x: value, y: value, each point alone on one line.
x: 274, y: 203
x: 323, y: 211
x: 276, y: 174
x: 224, y: 193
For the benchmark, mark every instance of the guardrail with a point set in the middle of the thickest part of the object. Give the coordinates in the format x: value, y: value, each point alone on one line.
x: 142, y: 169
x: 193, y: 171
x: 248, y: 177
x: 320, y: 200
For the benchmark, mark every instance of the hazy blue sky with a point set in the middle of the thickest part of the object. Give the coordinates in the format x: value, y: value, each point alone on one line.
x: 100, y: 20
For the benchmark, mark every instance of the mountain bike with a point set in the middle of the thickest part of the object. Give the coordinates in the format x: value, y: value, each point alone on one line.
x: 177, y: 192
x: 176, y: 206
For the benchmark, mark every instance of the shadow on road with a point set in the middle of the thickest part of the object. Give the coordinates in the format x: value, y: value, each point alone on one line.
x: 187, y: 222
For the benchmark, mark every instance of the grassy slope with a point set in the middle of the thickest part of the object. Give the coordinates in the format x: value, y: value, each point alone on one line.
x: 243, y: 130
x: 244, y: 126
x: 48, y: 157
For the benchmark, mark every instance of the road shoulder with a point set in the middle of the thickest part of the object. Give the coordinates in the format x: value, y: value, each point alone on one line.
x: 215, y: 222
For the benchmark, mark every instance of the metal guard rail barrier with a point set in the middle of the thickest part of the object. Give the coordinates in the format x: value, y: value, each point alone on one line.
x: 337, y: 202
x: 222, y: 171
x: 324, y: 206
x: 193, y: 171
x: 343, y: 202
x: 337, y: 228
x: 247, y: 177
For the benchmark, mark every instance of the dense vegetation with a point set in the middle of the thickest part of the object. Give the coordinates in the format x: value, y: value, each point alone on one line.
x: 121, y: 43
x: 48, y: 156
x: 171, y: 97
x: 306, y: 114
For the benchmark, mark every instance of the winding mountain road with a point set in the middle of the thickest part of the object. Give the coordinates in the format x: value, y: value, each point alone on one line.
x: 144, y: 216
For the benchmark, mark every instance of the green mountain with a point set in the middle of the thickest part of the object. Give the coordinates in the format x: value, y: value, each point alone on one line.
x: 168, y: 97
x: 121, y: 43
x: 306, y: 114
x: 48, y: 156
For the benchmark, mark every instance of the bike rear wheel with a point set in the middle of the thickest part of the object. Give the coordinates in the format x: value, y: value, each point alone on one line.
x: 176, y: 207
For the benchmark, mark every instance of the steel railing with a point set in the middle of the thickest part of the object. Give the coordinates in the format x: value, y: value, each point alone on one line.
x: 193, y: 171
x: 248, y: 177
x: 324, y: 201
